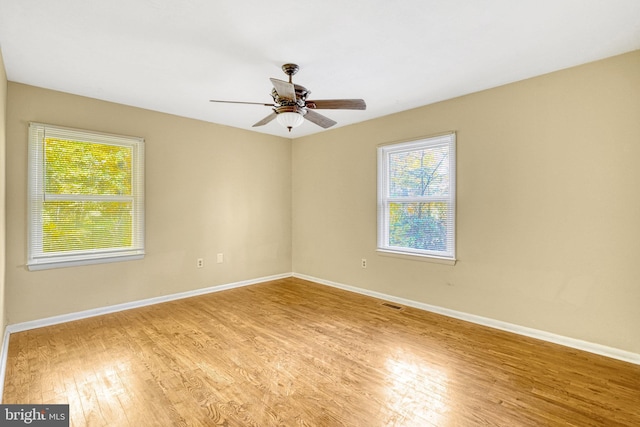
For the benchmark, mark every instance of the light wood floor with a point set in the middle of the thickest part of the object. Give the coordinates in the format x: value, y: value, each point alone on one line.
x: 294, y: 353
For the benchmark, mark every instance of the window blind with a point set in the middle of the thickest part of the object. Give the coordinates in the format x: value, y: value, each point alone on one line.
x: 416, y: 197
x: 86, y: 197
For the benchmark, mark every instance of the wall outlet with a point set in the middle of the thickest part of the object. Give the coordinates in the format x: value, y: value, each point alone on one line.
x: 200, y: 262
x: 220, y: 258
x: 364, y: 263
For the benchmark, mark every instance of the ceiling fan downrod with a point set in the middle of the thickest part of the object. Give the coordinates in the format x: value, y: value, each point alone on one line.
x: 290, y: 70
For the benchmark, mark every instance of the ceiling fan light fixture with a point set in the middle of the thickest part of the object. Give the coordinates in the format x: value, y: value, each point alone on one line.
x: 290, y: 120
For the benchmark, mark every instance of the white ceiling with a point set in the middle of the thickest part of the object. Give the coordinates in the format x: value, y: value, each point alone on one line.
x: 175, y: 55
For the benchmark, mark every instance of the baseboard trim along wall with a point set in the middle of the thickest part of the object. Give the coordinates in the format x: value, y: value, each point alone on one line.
x: 54, y: 320
x: 3, y: 360
x: 25, y: 326
x: 602, y: 350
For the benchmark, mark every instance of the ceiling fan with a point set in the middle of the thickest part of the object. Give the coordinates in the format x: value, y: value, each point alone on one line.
x: 291, y: 107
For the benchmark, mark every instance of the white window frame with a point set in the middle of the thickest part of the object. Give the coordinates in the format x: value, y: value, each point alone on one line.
x: 37, y: 259
x: 384, y: 198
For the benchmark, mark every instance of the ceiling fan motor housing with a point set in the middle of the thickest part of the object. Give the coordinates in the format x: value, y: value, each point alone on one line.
x: 290, y: 109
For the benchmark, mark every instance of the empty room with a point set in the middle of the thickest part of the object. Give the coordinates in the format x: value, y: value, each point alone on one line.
x: 251, y: 213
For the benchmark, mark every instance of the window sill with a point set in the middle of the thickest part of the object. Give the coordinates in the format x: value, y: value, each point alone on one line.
x: 77, y: 263
x: 416, y: 257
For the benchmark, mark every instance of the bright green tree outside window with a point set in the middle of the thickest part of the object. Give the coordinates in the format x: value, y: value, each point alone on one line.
x: 76, y: 168
x: 86, y: 197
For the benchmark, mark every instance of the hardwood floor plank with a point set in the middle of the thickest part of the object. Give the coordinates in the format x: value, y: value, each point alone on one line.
x: 295, y: 353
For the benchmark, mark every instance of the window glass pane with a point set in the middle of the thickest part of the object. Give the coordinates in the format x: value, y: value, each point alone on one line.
x: 75, y: 167
x: 73, y: 225
x: 86, y: 197
x: 423, y: 172
x: 418, y: 225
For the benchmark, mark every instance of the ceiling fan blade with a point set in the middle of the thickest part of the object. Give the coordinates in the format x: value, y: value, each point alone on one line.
x: 285, y: 89
x: 337, y: 104
x: 319, y: 119
x: 242, y: 102
x: 266, y: 120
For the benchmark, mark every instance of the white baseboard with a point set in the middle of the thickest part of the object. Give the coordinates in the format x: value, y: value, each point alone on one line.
x: 4, y: 350
x: 590, y: 347
x: 33, y: 324
x: 602, y: 350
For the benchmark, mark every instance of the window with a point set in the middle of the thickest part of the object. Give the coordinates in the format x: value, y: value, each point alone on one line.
x: 416, y: 197
x: 86, y: 197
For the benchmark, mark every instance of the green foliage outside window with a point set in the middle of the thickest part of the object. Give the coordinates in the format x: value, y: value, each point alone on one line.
x: 76, y: 167
x: 101, y: 175
x: 414, y: 175
x: 72, y: 226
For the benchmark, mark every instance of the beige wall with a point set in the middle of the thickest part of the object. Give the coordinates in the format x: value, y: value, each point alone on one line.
x: 548, y: 205
x: 209, y: 189
x: 3, y: 113
x: 548, y: 218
